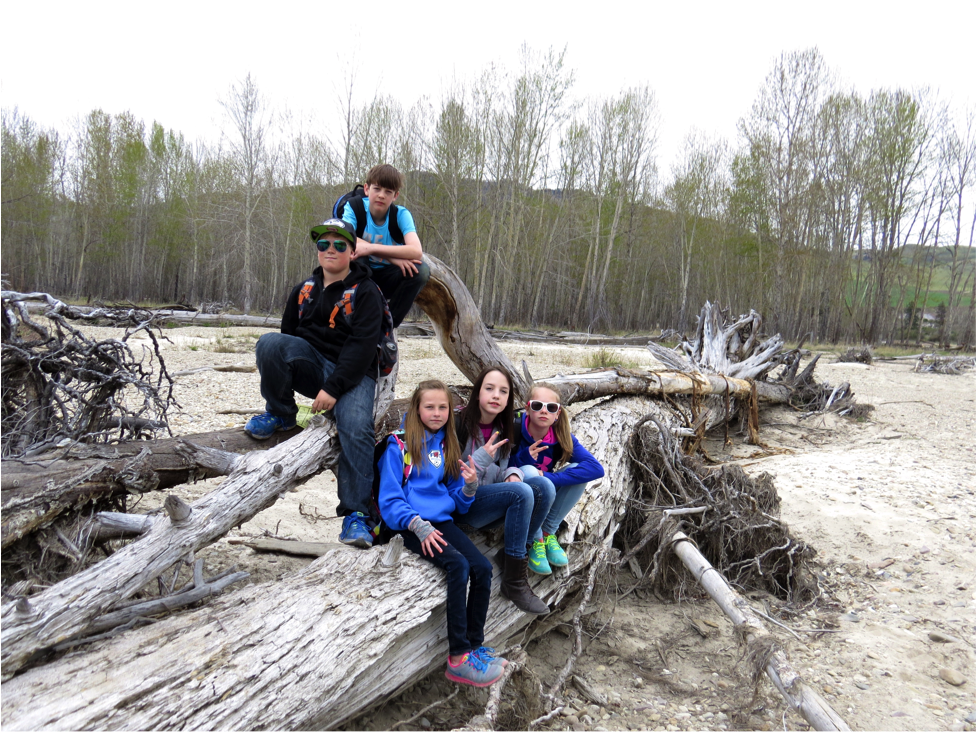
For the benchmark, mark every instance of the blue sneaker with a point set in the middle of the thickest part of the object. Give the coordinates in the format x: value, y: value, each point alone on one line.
x: 472, y: 670
x: 262, y: 426
x: 487, y: 655
x: 355, y: 531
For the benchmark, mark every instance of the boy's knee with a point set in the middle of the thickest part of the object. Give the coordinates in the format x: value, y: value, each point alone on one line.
x: 268, y: 347
x: 423, y: 274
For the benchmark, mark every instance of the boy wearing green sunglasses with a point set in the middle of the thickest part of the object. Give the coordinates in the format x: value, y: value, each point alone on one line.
x: 329, y: 356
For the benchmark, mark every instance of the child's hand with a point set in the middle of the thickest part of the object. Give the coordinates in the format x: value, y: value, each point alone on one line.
x: 324, y: 401
x: 512, y: 479
x: 434, y: 540
x: 536, y: 449
x: 407, y: 267
x: 491, y: 447
x: 468, y: 471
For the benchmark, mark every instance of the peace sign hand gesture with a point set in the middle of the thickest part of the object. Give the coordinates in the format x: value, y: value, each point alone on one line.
x: 536, y: 449
x: 491, y: 447
x: 468, y: 471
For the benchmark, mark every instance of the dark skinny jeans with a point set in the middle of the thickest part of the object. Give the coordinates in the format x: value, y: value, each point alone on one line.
x: 467, y: 610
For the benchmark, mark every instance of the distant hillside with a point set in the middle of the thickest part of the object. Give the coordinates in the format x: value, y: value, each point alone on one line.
x: 943, y: 255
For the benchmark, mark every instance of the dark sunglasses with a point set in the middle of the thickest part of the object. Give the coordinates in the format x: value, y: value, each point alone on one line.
x: 536, y: 406
x: 323, y: 245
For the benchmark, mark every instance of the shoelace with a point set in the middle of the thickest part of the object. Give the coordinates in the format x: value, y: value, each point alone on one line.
x: 485, y: 653
x: 476, y: 661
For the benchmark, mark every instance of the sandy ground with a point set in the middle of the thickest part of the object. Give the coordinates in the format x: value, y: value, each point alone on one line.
x: 889, y: 503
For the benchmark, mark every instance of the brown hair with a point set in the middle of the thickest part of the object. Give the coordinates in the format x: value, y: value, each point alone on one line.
x: 561, y: 426
x: 470, y: 417
x: 385, y: 176
x: 414, y: 431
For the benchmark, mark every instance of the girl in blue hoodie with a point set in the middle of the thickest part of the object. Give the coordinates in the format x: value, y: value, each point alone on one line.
x: 548, y: 447
x: 417, y: 501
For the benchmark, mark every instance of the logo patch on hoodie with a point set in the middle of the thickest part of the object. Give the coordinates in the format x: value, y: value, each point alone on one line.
x: 435, y: 458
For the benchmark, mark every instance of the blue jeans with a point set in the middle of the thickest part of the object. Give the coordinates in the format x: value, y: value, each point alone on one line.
x: 466, y: 610
x: 522, y: 505
x: 399, y: 289
x: 567, y: 496
x: 289, y: 364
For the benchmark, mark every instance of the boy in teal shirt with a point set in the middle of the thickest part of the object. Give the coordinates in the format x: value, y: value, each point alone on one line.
x: 387, y: 239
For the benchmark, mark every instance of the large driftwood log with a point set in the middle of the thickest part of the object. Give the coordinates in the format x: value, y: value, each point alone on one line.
x: 459, y: 327
x: 35, y: 492
x: 70, y: 607
x: 314, y: 649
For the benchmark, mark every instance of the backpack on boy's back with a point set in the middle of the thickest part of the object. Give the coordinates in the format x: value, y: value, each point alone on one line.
x: 387, y: 350
x: 356, y: 198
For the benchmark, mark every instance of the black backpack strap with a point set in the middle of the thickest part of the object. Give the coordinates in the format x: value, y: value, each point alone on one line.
x: 517, y: 436
x: 359, y: 208
x: 395, y: 232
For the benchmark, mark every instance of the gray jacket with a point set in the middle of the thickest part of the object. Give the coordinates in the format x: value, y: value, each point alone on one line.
x: 489, y: 471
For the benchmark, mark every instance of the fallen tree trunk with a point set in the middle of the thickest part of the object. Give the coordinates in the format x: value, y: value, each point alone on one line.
x: 346, y: 639
x: 35, y: 492
x: 350, y: 634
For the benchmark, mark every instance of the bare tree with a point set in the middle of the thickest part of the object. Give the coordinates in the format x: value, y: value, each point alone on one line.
x: 250, y: 121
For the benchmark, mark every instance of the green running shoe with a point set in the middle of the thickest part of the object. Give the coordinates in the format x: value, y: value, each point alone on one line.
x: 554, y: 553
x: 537, y: 558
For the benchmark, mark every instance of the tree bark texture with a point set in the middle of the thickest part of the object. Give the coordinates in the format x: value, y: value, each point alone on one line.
x: 69, y: 607
x: 311, y: 650
x: 36, y: 492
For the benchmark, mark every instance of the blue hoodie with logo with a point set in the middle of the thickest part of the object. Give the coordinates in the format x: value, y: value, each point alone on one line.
x: 425, y: 493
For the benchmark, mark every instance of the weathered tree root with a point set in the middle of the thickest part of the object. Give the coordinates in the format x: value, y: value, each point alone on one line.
x: 732, y: 517
x: 58, y: 384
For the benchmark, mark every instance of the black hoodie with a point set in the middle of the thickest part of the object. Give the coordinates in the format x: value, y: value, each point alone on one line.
x: 350, y: 346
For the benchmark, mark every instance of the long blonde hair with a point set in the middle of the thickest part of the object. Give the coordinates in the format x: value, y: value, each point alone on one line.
x: 561, y: 427
x: 414, y: 431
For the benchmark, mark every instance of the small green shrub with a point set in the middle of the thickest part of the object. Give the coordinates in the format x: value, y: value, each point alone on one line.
x: 606, y: 358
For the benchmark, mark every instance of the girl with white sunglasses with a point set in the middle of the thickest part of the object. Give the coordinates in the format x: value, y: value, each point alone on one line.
x: 548, y: 447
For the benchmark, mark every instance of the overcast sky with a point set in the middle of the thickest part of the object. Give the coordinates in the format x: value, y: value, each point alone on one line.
x: 172, y: 61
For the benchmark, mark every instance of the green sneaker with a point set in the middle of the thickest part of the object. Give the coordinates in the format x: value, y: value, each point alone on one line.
x: 537, y: 558
x: 554, y: 553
